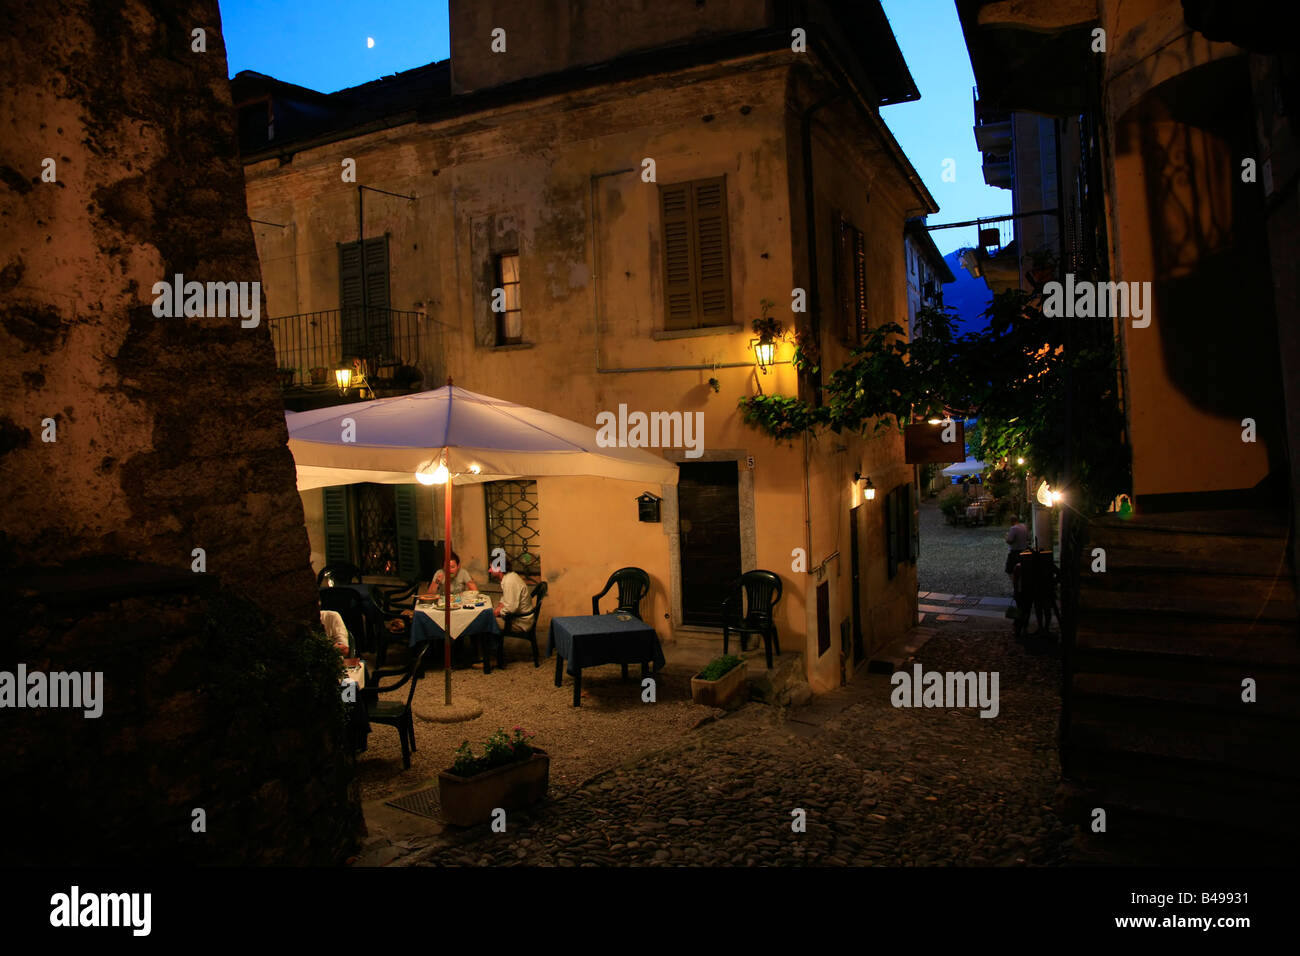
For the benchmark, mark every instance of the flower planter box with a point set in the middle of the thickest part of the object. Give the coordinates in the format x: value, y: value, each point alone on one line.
x: 467, y: 801
x: 287, y: 376
x: 319, y: 375
x: 718, y: 693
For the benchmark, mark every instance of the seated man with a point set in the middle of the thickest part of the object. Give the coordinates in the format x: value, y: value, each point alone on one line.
x: 460, y: 580
x: 515, y: 599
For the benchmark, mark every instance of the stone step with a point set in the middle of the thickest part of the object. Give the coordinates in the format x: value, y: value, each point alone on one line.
x: 1139, y: 633
x: 1139, y: 792
x: 1191, y: 594
x: 1161, y: 701
x: 1207, y: 554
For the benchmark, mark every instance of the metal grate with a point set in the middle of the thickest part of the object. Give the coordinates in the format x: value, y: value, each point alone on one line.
x: 377, y: 528
x: 512, y: 515
x: 422, y: 803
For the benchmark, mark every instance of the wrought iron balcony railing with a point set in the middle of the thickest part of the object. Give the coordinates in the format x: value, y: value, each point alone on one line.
x: 311, y: 345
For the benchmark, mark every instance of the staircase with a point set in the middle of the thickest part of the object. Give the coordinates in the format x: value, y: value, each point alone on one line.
x: 1154, y: 728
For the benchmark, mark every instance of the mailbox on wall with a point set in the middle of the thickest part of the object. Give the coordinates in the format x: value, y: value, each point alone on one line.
x: 648, y: 507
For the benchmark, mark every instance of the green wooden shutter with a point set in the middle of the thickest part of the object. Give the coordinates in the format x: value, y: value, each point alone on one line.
x: 338, y: 527
x: 713, y: 252
x: 675, y: 207
x: 408, y: 533
x: 364, y: 332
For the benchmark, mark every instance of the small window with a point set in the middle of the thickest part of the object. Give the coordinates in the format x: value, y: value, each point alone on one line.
x: 510, y: 317
x: 512, y: 524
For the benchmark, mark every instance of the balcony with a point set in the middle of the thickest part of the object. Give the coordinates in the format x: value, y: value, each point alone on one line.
x: 387, y: 347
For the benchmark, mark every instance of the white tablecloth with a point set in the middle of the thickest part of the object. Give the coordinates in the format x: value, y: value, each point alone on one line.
x: 460, y: 617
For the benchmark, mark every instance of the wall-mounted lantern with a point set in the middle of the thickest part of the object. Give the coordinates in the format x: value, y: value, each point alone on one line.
x: 648, y: 507
x: 868, y: 489
x: 343, y: 378
x: 764, y: 353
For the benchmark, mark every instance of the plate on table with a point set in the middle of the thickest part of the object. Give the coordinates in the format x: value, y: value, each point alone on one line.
x: 624, y: 617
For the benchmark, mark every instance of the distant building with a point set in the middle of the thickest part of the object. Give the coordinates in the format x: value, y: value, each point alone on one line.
x: 628, y: 186
x: 927, y: 272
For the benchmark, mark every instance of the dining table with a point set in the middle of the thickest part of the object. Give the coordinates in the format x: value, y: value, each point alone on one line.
x: 471, y: 617
x: 593, y: 639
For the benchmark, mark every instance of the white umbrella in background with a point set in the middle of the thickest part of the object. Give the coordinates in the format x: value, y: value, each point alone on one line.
x: 452, y: 436
x: 967, y: 467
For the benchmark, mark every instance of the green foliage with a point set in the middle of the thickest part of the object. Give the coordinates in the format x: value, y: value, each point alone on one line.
x: 767, y: 329
x: 719, y: 666
x: 1016, y: 376
x: 951, y: 500
x: 500, y: 749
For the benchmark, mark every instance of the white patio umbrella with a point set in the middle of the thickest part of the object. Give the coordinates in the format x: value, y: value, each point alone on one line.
x: 453, y: 436
x: 967, y: 467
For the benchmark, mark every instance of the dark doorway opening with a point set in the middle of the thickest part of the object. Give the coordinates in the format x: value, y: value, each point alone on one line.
x: 708, y: 514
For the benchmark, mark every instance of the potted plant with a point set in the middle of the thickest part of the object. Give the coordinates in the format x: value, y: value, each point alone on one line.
x: 510, y: 775
x: 319, y: 375
x: 719, y: 682
x: 287, y: 376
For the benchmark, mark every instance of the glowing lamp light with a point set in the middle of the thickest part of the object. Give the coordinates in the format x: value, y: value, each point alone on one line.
x: 343, y: 377
x: 1020, y: 461
x: 765, y: 353
x: 431, y: 474
x: 475, y: 469
x: 936, y: 421
x: 1046, y: 496
x: 868, y: 489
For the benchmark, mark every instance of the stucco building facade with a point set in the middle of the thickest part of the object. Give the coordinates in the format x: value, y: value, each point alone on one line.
x: 633, y: 217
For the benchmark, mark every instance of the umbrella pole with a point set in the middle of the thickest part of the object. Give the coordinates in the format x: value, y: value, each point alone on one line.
x: 446, y: 592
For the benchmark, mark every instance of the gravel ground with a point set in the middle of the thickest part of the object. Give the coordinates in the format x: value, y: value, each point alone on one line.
x: 957, y: 560
x: 880, y: 785
x: 582, y: 741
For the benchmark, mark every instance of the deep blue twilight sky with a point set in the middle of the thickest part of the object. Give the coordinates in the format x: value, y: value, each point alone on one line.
x: 322, y: 44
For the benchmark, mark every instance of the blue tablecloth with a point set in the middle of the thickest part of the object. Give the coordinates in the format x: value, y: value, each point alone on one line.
x: 595, y: 639
x: 425, y: 628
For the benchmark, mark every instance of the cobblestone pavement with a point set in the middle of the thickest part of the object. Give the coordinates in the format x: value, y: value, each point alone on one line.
x: 880, y: 785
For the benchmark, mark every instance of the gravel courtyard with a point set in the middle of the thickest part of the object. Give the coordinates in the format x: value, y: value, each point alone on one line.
x: 880, y: 785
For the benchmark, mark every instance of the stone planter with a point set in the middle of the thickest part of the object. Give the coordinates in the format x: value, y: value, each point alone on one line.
x: 467, y: 801
x: 718, y: 693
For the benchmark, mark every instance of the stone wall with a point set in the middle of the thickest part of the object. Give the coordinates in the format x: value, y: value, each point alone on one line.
x: 118, y: 170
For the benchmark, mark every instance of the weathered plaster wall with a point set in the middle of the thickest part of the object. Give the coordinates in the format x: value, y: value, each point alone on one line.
x: 170, y: 434
x: 170, y: 437
x: 1184, y: 222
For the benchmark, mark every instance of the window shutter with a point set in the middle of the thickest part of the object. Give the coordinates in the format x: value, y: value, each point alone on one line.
x: 338, y: 529
x: 859, y: 313
x: 675, y: 204
x: 368, y: 334
x: 713, y: 267
x: 891, y: 532
x: 408, y: 532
